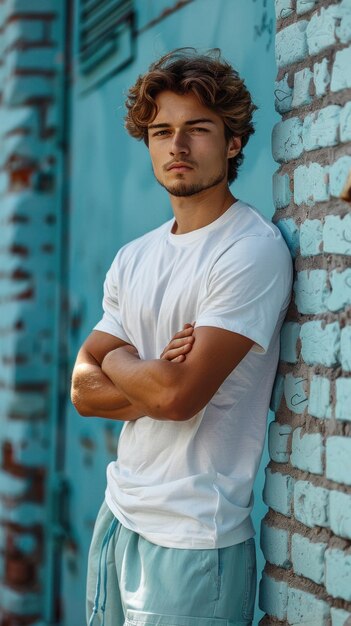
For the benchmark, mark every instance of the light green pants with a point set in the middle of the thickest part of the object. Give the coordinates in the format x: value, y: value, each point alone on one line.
x: 132, y: 582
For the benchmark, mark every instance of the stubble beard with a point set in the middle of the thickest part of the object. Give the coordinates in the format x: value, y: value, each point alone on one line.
x: 184, y: 190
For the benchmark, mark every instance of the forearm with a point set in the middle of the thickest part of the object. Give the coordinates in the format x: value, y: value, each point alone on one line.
x: 152, y: 386
x: 94, y: 394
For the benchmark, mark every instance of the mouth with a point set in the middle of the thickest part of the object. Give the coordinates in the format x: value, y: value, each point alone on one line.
x: 179, y: 167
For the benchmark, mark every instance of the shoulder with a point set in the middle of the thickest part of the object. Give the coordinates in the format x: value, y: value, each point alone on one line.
x: 253, y: 239
x: 133, y: 248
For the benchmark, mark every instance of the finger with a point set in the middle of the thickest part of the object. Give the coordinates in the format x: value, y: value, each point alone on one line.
x: 172, y: 353
x: 185, y: 332
x: 179, y: 359
x: 178, y: 343
x: 182, y: 341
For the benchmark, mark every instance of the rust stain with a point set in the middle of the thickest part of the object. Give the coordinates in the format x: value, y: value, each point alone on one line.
x: 346, y: 192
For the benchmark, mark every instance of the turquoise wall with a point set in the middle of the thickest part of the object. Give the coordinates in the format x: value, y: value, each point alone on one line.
x: 114, y: 198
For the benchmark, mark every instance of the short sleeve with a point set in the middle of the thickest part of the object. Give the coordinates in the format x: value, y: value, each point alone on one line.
x: 248, y: 288
x: 111, y: 321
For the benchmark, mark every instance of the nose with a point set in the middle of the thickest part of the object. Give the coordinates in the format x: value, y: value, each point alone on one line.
x: 179, y: 144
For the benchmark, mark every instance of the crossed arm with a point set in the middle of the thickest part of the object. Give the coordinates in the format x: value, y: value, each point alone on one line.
x: 110, y: 380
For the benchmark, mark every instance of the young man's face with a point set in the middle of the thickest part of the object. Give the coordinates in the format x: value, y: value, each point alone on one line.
x: 187, y: 144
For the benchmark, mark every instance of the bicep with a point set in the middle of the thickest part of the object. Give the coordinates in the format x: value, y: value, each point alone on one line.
x: 215, y: 354
x: 96, y: 346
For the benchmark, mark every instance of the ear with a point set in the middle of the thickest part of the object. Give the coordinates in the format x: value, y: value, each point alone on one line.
x: 234, y: 146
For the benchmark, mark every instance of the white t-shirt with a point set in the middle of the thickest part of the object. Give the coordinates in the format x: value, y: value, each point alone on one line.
x: 188, y: 484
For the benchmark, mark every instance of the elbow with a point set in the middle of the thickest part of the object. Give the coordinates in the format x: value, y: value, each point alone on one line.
x: 78, y: 404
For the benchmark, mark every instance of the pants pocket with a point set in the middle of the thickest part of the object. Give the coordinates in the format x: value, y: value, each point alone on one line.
x: 141, y: 618
x: 250, y: 579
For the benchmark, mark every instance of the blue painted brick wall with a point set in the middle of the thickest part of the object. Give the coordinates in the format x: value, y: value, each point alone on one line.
x: 31, y: 68
x: 305, y: 537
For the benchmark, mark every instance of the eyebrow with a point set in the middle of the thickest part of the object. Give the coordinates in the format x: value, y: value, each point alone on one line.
x: 200, y: 120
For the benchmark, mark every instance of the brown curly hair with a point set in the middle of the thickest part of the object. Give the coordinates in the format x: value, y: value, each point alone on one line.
x: 214, y: 81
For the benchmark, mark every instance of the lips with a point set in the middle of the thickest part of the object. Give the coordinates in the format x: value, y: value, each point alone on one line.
x: 179, y: 166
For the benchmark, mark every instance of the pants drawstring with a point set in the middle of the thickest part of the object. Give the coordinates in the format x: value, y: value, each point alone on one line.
x: 105, y: 543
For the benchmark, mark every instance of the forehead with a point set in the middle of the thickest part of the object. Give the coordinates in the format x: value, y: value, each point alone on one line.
x: 173, y: 108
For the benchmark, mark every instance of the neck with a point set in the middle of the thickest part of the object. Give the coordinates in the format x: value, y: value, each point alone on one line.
x: 199, y: 210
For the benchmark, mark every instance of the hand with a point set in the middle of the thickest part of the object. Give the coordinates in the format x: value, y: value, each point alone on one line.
x: 180, y: 345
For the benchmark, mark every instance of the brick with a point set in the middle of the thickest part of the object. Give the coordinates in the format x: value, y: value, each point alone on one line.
x: 303, y: 6
x: 340, y: 617
x: 302, y: 87
x: 10, y: 289
x: 29, y: 203
x: 321, y: 30
x: 287, y: 140
x: 311, y: 237
x: 31, y: 58
x: 343, y: 399
x: 278, y: 491
x: 25, y: 514
x: 26, y: 543
x: 278, y: 442
x: 338, y: 459
x: 32, y: 453
x: 283, y: 9
x: 281, y: 190
x: 340, y: 513
x: 283, y: 95
x: 12, y: 485
x: 337, y: 234
x: 341, y: 75
x: 291, y: 44
x: 19, y: 89
x: 308, y: 557
x: 274, y: 544
x: 319, y: 397
x: 338, y: 175
x: 273, y: 597
x: 290, y: 232
x: 19, y: 602
x: 321, y: 77
x: 295, y: 394
x: 343, y: 30
x: 338, y: 573
x: 345, y: 348
x: 24, y: 403
x: 307, y: 451
x: 341, y: 290
x: 321, y: 128
x: 288, y: 342
x: 311, y: 504
x: 277, y: 392
x: 304, y: 607
x: 311, y: 291
x: 311, y: 184
x: 320, y: 343
x: 23, y: 30
x: 345, y: 122
x: 19, y: 117
x: 27, y: 146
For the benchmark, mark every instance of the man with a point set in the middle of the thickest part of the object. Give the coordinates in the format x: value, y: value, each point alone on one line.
x: 173, y: 542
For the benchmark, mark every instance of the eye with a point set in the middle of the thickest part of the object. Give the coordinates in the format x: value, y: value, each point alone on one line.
x: 199, y: 129
x: 161, y: 133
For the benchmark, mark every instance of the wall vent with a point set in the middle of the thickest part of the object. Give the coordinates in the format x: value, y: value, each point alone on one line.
x: 106, y: 33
